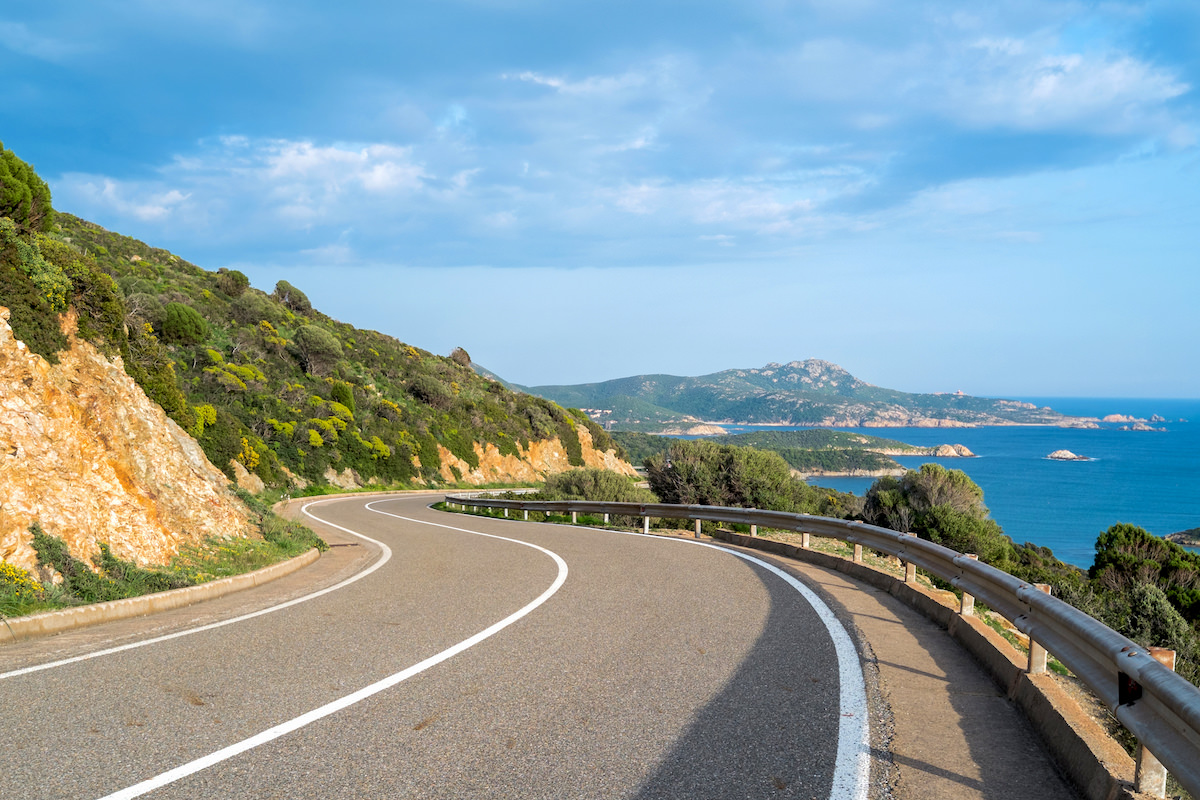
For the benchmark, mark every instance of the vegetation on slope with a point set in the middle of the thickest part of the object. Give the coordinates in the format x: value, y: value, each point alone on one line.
x: 706, y: 473
x: 267, y: 380
x: 111, y: 578
x: 1139, y: 584
x: 814, y: 451
x: 800, y: 393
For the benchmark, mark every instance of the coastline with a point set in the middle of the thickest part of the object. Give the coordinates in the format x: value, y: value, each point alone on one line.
x: 854, y: 473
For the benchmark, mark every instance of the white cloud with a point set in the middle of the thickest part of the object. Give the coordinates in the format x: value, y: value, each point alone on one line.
x: 136, y: 202
x: 592, y: 85
x: 1030, y: 88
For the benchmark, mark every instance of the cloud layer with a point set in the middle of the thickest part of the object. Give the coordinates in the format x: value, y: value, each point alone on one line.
x: 789, y: 139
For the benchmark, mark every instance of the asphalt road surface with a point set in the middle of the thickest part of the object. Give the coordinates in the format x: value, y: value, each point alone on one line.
x: 444, y: 662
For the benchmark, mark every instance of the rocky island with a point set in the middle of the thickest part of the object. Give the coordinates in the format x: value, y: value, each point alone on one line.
x: 1188, y: 538
x: 1066, y: 455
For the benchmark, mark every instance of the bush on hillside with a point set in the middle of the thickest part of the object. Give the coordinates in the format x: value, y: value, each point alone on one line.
x: 590, y: 483
x: 183, y: 324
x: 24, y: 196
x: 292, y: 298
x: 705, y: 473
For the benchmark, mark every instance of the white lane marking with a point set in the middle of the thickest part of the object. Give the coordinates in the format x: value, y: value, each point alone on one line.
x: 386, y: 555
x: 285, y: 728
x: 852, y: 770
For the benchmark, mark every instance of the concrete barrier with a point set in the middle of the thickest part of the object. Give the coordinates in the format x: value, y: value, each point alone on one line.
x: 48, y: 623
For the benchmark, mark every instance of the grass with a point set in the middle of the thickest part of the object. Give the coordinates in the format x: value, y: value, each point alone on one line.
x: 112, y: 578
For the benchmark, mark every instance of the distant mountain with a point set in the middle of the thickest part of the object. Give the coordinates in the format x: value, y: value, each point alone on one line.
x: 811, y: 392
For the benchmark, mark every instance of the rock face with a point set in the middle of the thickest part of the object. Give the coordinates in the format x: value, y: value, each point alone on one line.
x: 84, y: 452
x: 541, y: 459
x: 952, y: 451
x: 703, y: 429
x: 1066, y: 455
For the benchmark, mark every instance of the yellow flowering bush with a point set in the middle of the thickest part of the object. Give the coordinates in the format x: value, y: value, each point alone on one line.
x: 19, y: 592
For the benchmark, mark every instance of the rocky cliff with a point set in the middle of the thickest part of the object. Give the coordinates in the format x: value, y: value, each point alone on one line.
x: 534, y: 464
x: 84, y: 452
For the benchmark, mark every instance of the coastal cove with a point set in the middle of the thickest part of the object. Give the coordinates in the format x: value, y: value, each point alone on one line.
x: 1146, y: 478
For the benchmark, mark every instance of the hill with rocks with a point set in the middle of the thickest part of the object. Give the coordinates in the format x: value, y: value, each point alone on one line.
x: 809, y: 393
x: 135, y: 387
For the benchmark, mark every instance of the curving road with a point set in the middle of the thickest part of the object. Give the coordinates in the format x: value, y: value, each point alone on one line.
x: 454, y: 657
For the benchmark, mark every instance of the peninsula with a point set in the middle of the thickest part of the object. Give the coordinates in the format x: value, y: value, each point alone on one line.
x: 811, y: 393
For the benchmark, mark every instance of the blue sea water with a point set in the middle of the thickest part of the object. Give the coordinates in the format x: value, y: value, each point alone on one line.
x: 1147, y: 478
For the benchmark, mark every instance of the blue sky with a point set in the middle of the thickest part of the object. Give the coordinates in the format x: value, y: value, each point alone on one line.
x: 995, y: 197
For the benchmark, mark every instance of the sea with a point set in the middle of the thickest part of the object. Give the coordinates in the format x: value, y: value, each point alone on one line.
x: 1146, y: 478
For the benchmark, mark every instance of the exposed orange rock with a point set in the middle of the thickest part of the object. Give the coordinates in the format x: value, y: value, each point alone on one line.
x: 534, y: 464
x: 84, y: 452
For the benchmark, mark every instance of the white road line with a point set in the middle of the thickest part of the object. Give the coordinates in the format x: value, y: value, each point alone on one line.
x: 285, y: 728
x: 852, y: 771
x: 386, y: 555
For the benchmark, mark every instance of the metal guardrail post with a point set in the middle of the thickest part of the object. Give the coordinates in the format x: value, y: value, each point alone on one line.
x: 754, y: 530
x: 697, y: 529
x: 574, y: 517
x: 645, y: 524
x: 506, y: 513
x: 1150, y: 776
x: 968, y: 600
x: 527, y: 514
x: 805, y: 540
x: 858, y: 554
x: 1037, y: 653
x: 605, y: 518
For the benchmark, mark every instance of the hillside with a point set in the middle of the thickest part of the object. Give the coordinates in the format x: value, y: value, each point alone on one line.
x: 276, y: 393
x: 88, y: 456
x: 812, y: 392
x: 272, y: 387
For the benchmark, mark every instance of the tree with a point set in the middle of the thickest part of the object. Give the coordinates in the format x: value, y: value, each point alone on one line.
x: 232, y: 282
x: 706, y: 473
x: 319, y: 349
x: 24, y: 197
x: 343, y: 393
x: 183, y: 325
x: 291, y: 297
x: 942, y: 505
x: 591, y: 483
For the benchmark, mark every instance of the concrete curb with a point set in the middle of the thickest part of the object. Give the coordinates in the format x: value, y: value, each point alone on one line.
x: 1098, y: 766
x: 48, y: 623
x: 292, y: 503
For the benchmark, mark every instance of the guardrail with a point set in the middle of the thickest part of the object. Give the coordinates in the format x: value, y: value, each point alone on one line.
x: 1157, y: 706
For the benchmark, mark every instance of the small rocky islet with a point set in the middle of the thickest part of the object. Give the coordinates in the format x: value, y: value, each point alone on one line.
x: 1066, y: 455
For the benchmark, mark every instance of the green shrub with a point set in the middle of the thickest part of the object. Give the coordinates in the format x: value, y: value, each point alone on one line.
x: 150, y: 365
x: 183, y: 324
x: 32, y: 319
x: 232, y: 282
x: 292, y: 298
x: 24, y: 196
x: 24, y: 253
x: 590, y: 483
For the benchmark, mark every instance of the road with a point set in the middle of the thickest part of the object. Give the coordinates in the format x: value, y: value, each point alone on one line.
x: 551, y: 662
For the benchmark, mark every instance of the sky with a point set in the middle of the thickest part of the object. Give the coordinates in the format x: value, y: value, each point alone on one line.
x: 1001, y: 198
